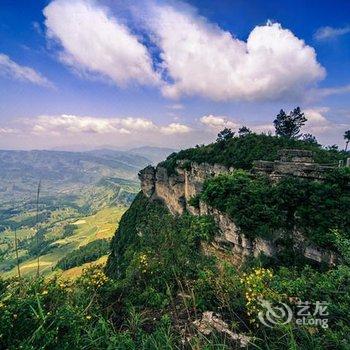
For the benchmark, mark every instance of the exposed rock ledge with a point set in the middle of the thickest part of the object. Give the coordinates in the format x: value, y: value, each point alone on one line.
x: 176, y: 190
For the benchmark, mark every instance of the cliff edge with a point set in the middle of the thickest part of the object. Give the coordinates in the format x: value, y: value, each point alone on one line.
x: 177, y: 189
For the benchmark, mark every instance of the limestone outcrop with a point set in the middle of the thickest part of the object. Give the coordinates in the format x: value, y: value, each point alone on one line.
x: 176, y: 189
x: 292, y: 162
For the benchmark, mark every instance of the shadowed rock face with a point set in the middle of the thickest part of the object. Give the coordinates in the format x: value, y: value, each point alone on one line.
x: 296, y: 156
x: 147, y: 177
x: 292, y: 162
x: 177, y: 189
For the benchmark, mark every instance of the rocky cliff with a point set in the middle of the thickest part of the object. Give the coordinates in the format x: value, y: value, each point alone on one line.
x: 176, y: 189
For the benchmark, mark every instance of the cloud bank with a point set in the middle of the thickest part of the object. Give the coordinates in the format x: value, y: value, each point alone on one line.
x: 218, y: 122
x: 72, y: 124
x: 59, y: 130
x: 196, y: 57
x: 204, y: 60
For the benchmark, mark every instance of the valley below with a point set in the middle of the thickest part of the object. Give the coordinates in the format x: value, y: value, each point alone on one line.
x: 52, y: 203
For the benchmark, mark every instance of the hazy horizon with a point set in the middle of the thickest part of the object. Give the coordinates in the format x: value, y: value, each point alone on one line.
x: 82, y: 148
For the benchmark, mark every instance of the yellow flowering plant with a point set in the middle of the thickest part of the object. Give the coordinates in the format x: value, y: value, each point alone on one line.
x: 93, y: 277
x: 256, y: 286
x: 143, y: 262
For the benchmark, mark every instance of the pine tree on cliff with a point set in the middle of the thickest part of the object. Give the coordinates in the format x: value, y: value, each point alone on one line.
x: 347, y: 139
x: 289, y: 125
x: 225, y: 135
x: 243, y: 131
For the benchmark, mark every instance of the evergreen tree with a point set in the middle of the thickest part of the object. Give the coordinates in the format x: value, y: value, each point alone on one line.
x: 225, y: 135
x: 243, y: 131
x: 347, y: 139
x: 289, y: 125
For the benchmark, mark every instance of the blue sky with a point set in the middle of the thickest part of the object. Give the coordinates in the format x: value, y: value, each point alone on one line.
x: 88, y: 74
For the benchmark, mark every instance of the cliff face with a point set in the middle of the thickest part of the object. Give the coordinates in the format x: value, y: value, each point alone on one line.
x: 177, y: 189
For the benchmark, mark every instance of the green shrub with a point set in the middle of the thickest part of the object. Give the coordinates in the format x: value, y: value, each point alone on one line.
x: 260, y: 208
x: 68, y: 230
x: 248, y: 200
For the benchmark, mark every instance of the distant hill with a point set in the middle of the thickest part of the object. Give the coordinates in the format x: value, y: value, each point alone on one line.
x: 65, y: 174
x: 128, y: 158
x: 155, y: 154
x: 69, y: 166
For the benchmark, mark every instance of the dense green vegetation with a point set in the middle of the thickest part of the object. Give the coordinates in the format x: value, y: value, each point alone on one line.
x: 261, y: 208
x: 150, y: 242
x: 240, y: 152
x: 90, y: 252
x: 159, y: 280
x: 164, y: 272
x: 68, y: 230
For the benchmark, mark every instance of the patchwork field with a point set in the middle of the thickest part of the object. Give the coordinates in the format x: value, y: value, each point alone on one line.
x: 101, y: 225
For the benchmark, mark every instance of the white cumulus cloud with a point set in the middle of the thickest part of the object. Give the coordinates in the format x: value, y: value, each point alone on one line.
x: 175, y: 128
x: 202, y: 59
x: 218, y: 122
x: 197, y: 58
x: 94, y: 41
x: 321, y: 124
x: 316, y: 121
x: 13, y: 70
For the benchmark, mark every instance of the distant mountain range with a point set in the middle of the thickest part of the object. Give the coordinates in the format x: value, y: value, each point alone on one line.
x: 155, y: 154
x: 63, y: 171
